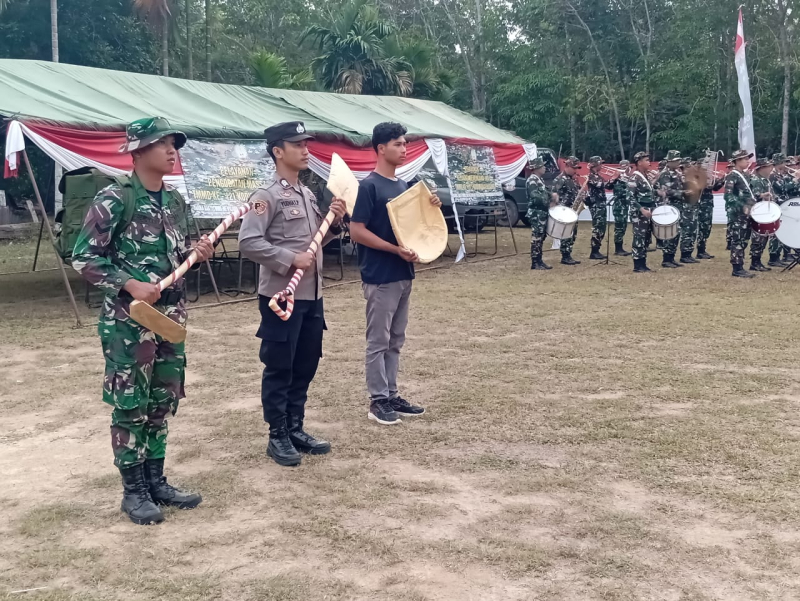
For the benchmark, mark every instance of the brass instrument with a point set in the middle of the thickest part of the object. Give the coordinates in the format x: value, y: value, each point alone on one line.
x: 580, y: 198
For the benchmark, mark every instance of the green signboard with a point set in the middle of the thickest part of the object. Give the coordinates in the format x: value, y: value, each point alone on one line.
x: 473, y: 175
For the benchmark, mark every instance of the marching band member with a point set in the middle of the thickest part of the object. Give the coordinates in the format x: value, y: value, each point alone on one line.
x: 642, y: 203
x: 539, y: 201
x: 619, y: 186
x: 738, y: 201
x: 669, y: 187
x: 705, y: 216
x: 761, y: 189
x: 785, y: 187
x: 566, y: 187
x: 596, y: 201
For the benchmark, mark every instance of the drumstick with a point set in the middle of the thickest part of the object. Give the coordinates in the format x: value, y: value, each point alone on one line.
x: 287, y: 295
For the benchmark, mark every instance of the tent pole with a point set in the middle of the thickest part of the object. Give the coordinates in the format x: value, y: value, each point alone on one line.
x: 52, y: 238
x: 38, y: 245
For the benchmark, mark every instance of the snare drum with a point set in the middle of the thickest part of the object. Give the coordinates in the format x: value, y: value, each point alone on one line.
x: 765, y: 217
x: 665, y: 222
x: 561, y: 222
x: 789, y: 230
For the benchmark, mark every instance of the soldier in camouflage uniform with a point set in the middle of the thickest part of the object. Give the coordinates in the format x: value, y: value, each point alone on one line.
x: 738, y: 201
x: 619, y: 186
x: 762, y: 191
x: 539, y: 201
x: 144, y: 374
x: 642, y: 203
x: 705, y: 216
x: 596, y: 201
x: 785, y: 186
x: 669, y: 187
x: 566, y: 187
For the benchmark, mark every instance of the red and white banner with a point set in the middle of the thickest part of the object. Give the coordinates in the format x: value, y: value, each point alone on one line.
x: 747, y: 138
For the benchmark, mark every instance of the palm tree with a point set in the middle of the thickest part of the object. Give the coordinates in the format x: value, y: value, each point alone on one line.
x: 158, y: 14
x: 353, y: 59
x: 270, y: 71
x: 429, y: 82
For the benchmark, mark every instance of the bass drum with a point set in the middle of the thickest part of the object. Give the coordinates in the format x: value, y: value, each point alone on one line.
x: 789, y: 230
x: 561, y: 222
x: 665, y: 222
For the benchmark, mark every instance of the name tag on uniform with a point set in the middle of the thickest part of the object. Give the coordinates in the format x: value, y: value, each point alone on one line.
x: 290, y: 203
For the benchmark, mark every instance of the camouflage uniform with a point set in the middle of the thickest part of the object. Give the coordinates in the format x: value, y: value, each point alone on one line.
x: 596, y: 201
x: 738, y: 197
x: 671, y: 181
x: 760, y: 187
x: 785, y: 187
x: 641, y: 196
x: 144, y: 373
x: 538, y: 205
x: 705, y: 214
x: 567, y: 189
x: 621, y: 207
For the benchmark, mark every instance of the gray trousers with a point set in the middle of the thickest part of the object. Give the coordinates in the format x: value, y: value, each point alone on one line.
x: 387, y: 318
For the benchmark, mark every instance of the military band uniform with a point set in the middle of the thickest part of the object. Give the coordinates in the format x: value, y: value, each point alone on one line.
x: 537, y: 215
x: 785, y: 186
x: 621, y: 208
x: 640, y: 193
x: 705, y: 217
x: 760, y: 187
x: 567, y: 189
x: 738, y: 201
x: 671, y: 182
x: 596, y: 202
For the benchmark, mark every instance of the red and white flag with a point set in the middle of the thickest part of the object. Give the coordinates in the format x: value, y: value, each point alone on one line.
x: 747, y: 138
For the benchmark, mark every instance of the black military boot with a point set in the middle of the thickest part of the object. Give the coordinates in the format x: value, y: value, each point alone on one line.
x: 542, y: 265
x: 739, y: 272
x: 757, y: 265
x: 688, y: 258
x: 568, y: 260
x: 775, y: 260
x: 596, y: 255
x: 136, y: 500
x: 669, y: 261
x: 640, y: 266
x: 701, y: 252
x: 280, y: 446
x: 303, y: 441
x: 619, y: 251
x: 164, y: 493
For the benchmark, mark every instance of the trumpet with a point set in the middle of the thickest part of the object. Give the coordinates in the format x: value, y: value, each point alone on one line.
x: 612, y: 172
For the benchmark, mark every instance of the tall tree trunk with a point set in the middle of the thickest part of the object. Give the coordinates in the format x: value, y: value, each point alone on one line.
x: 208, y: 40
x: 54, y: 28
x: 165, y: 45
x: 480, y: 58
x: 611, y: 96
x: 572, y: 136
x: 572, y: 118
x: 189, y: 66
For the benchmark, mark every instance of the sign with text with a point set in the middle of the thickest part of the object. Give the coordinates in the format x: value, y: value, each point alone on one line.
x: 473, y: 175
x: 222, y: 174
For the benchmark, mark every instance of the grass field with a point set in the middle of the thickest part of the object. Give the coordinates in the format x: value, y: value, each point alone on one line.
x: 591, y: 434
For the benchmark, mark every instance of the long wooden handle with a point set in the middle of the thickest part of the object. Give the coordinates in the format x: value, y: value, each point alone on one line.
x: 212, y: 237
x: 287, y: 295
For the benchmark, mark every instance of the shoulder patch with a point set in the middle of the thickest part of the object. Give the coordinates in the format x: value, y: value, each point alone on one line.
x: 260, y: 207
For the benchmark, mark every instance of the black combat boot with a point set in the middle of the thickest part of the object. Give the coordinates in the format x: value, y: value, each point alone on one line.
x: 640, y: 266
x: 568, y: 260
x: 669, y: 261
x: 280, y: 446
x: 688, y: 258
x: 739, y: 272
x: 303, y: 441
x: 757, y: 265
x: 164, y: 493
x: 701, y: 252
x: 619, y: 251
x: 136, y: 500
x: 596, y: 255
x: 539, y: 264
x: 775, y: 260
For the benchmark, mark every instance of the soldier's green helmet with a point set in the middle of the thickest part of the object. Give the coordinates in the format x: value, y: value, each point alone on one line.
x: 144, y: 132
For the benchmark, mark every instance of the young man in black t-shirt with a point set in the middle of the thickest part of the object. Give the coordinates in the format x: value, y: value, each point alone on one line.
x: 387, y: 271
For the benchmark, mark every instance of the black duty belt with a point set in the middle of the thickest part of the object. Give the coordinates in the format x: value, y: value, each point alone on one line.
x: 171, y: 296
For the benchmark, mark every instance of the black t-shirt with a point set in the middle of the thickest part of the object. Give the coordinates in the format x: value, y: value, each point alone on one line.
x: 377, y: 266
x: 157, y: 196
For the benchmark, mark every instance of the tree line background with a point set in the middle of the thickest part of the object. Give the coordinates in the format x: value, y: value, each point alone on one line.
x: 583, y: 77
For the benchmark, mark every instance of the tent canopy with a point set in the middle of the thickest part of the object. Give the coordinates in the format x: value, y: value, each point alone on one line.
x: 89, y: 98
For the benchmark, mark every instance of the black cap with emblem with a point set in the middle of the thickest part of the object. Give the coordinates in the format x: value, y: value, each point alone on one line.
x: 291, y: 131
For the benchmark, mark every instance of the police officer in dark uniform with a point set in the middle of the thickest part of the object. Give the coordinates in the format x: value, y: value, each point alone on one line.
x: 276, y: 234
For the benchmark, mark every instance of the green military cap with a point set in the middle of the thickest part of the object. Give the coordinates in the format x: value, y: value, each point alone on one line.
x: 595, y: 160
x: 673, y: 155
x: 144, y: 132
x: 573, y: 162
x: 639, y: 156
x: 537, y: 163
x: 741, y: 154
x: 779, y: 158
x: 763, y: 162
x: 624, y: 163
